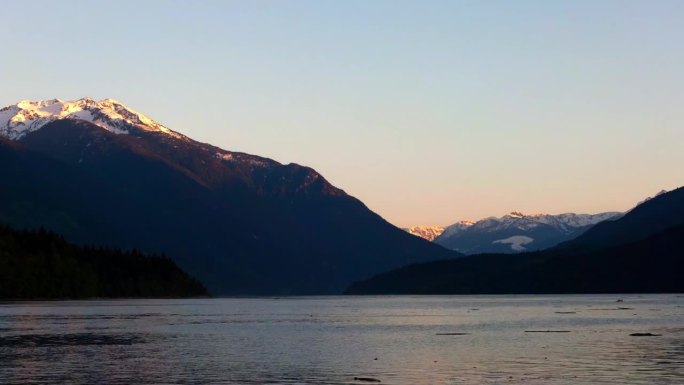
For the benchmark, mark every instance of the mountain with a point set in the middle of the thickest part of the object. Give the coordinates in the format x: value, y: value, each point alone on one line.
x: 41, y: 265
x: 425, y: 232
x: 650, y: 265
x: 101, y: 173
x: 652, y: 216
x: 518, y: 232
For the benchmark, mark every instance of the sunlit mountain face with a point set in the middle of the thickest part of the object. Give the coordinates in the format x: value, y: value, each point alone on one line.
x: 27, y: 116
x: 425, y: 232
x: 102, y: 173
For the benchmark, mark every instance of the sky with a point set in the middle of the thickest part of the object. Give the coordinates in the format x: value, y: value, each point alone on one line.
x: 430, y: 112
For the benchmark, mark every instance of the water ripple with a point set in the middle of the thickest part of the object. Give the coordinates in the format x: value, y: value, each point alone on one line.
x: 339, y: 340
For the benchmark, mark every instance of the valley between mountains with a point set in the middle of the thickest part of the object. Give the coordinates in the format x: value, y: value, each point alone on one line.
x: 100, y: 173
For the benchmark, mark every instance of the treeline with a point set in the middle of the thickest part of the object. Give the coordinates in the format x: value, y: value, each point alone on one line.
x: 38, y: 264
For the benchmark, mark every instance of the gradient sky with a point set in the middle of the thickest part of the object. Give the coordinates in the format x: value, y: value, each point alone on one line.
x: 428, y: 111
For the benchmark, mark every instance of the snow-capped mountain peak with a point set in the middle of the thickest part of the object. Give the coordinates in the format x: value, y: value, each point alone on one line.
x: 27, y: 116
x: 425, y: 232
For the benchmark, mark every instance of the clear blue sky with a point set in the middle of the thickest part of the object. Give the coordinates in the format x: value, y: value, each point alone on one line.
x: 429, y: 112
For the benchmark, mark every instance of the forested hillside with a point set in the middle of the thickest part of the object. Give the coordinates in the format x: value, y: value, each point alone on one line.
x: 42, y: 265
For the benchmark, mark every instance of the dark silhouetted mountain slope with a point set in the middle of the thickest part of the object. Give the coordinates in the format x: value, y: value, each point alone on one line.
x: 649, y: 217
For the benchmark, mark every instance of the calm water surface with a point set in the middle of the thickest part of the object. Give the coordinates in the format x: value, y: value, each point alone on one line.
x: 336, y: 340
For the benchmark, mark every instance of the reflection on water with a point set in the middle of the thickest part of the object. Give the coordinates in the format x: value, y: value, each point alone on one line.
x: 347, y: 340
x: 31, y: 340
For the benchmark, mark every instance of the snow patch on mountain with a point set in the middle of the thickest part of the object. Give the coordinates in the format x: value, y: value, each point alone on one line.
x: 28, y: 116
x: 224, y: 155
x: 517, y: 242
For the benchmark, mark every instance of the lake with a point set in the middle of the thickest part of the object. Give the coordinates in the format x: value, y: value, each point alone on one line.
x: 583, y: 339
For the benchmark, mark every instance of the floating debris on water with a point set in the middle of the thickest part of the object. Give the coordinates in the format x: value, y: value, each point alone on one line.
x: 547, y: 331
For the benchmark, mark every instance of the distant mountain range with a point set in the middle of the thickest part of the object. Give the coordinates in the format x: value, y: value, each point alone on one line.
x: 640, y: 252
x: 518, y: 232
x: 101, y: 173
